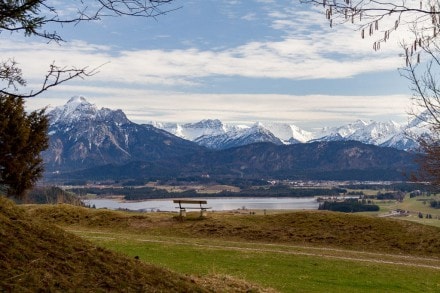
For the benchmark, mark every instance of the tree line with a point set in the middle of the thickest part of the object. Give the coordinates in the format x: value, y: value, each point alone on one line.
x: 131, y: 193
x: 348, y: 206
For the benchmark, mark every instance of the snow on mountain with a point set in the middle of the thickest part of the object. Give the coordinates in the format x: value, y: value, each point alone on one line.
x: 215, y: 134
x: 79, y: 109
x: 194, y: 131
x: 238, y: 137
x: 76, y: 108
x: 340, y: 132
x: 376, y: 132
x: 81, y: 135
x: 288, y: 133
x: 389, y: 134
x: 417, y: 127
x: 201, y: 132
x: 218, y: 135
x: 402, y: 141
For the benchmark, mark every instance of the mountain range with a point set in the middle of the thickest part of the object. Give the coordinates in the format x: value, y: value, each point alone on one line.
x: 217, y: 135
x: 91, y: 143
x: 83, y: 136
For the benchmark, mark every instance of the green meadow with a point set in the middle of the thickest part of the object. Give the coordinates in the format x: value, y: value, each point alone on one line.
x: 303, y: 251
x: 285, y: 268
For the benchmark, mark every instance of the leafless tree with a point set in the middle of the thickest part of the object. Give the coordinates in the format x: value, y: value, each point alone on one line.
x: 382, y: 18
x: 421, y: 51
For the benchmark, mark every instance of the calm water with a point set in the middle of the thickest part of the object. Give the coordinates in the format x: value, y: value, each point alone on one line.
x: 217, y: 204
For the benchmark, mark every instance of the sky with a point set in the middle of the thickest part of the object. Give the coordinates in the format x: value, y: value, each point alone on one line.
x: 237, y: 61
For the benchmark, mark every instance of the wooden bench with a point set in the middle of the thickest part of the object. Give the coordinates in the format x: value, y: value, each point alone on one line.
x: 185, y: 202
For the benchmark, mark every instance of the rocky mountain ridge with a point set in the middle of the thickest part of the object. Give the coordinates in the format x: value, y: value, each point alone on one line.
x: 217, y: 135
x: 87, y: 142
x: 82, y: 136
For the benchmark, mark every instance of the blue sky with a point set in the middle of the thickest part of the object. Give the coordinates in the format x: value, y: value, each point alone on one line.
x: 238, y: 61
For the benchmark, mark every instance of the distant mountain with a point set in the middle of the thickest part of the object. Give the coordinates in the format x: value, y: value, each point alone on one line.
x: 193, y: 131
x: 288, y: 133
x: 239, y: 137
x: 339, y: 160
x: 370, y: 132
x: 83, y: 136
x: 217, y: 135
x: 88, y: 143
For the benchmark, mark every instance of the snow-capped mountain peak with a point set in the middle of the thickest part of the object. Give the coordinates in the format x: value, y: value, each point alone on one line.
x: 288, y: 133
x: 79, y: 109
x: 218, y: 135
x: 76, y: 108
x: 376, y: 132
x: 77, y: 100
x: 195, y: 131
x: 213, y: 133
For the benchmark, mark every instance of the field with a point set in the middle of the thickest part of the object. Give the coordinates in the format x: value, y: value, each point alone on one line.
x: 286, y: 268
x: 37, y: 256
x: 291, y: 252
x: 414, y: 206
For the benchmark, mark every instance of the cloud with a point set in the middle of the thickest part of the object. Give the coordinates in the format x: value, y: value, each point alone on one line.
x: 308, y: 50
x: 302, y: 47
x: 249, y: 16
x: 288, y: 59
x: 306, y: 111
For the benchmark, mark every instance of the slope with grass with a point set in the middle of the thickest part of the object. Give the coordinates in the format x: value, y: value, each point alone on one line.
x: 284, y: 267
x: 317, y: 228
x: 293, y: 252
x: 38, y: 256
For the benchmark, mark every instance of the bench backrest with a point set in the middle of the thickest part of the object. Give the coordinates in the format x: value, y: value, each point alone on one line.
x: 188, y: 201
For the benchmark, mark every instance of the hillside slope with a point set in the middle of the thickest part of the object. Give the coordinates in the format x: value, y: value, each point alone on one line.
x: 36, y: 256
x: 316, y: 228
x: 340, y: 160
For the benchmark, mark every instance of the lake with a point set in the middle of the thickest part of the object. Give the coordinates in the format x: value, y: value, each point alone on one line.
x: 217, y: 204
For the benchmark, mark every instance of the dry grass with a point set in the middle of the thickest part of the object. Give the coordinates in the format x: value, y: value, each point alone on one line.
x: 37, y: 256
x: 315, y: 228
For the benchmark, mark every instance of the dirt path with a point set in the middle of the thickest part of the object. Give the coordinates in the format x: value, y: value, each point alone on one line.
x: 321, y: 252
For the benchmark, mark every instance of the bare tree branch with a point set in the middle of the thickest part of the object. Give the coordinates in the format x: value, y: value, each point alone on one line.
x: 367, y: 15
x: 55, y: 76
x: 422, y: 18
x: 32, y: 16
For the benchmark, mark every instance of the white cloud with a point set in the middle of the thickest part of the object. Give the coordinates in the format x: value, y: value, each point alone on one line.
x: 306, y: 111
x: 289, y: 59
x: 309, y: 49
x: 249, y: 16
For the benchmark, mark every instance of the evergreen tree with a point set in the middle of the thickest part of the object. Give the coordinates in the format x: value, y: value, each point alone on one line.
x: 23, y: 136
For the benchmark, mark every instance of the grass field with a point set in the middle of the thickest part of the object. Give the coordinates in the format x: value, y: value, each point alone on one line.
x: 414, y: 206
x: 292, y: 252
x: 286, y: 268
x: 37, y: 256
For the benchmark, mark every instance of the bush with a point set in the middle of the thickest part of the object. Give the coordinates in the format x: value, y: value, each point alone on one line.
x: 435, y: 204
x: 348, y: 206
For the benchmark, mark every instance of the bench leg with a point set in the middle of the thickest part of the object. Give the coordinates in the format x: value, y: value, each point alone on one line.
x: 182, y: 213
x: 203, y: 213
